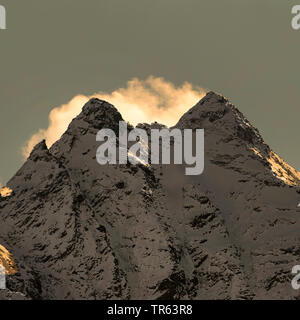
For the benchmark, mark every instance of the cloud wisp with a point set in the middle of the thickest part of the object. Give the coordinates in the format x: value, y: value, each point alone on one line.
x: 153, y: 99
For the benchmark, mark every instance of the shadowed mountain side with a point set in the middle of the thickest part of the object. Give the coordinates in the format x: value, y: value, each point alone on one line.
x: 53, y: 231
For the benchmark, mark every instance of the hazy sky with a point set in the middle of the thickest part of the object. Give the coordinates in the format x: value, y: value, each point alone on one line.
x: 54, y: 50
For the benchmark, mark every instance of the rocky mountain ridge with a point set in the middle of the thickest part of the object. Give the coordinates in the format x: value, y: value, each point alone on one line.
x: 78, y: 230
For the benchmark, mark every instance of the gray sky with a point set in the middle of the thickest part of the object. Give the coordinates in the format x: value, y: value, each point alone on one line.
x: 54, y: 50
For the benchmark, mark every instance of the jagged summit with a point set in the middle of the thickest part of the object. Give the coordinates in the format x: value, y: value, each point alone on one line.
x: 40, y: 147
x: 230, y: 134
x: 95, y: 105
x: 40, y: 151
x: 226, y: 129
x: 99, y: 112
x: 216, y: 108
x: 212, y: 96
x: 219, y: 117
x: 96, y: 115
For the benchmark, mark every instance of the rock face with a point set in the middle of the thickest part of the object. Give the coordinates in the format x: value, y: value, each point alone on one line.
x: 78, y: 230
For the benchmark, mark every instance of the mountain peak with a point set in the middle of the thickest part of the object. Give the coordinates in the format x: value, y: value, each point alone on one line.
x: 96, y: 115
x: 92, y: 104
x: 39, y: 151
x: 96, y: 106
x: 219, y: 117
x: 212, y: 107
x: 99, y: 113
x: 212, y: 96
x: 41, y: 146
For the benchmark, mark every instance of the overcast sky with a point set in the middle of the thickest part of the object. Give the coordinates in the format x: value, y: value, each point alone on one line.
x: 54, y: 50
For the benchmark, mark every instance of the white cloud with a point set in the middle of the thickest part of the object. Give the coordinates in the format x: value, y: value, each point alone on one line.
x: 153, y: 99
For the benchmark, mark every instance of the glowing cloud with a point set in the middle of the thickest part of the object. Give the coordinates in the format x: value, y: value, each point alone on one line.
x: 153, y: 99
